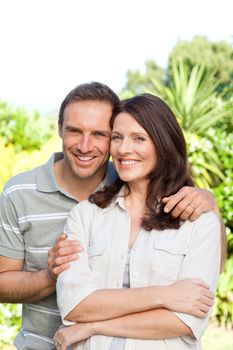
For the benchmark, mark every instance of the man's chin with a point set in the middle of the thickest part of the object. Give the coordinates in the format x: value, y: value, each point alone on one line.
x: 89, y: 172
x: 84, y: 173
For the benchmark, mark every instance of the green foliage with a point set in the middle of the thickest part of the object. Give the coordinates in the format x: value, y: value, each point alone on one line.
x: 138, y: 83
x: 23, y: 130
x: 223, y: 307
x: 13, y: 163
x: 7, y: 161
x: 10, y: 322
x: 217, y: 338
x: 205, y: 162
x: 193, y: 98
x: 223, y: 146
x: 216, y: 56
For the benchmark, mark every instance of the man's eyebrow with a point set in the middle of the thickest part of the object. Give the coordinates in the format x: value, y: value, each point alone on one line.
x: 72, y: 128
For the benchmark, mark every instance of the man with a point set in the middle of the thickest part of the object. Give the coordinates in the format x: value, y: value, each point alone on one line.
x: 34, y: 206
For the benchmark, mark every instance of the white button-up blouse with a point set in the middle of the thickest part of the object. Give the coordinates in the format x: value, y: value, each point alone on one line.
x: 157, y: 258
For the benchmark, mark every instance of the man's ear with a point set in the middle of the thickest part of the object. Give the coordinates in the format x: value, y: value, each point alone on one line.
x: 59, y: 130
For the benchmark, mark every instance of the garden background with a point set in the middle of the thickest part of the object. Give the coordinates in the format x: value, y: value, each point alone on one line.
x: 198, y: 86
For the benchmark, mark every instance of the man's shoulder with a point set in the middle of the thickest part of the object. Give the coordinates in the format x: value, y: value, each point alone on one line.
x: 25, y: 178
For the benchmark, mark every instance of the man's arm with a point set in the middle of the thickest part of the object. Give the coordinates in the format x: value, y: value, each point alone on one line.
x: 223, y: 239
x: 17, y: 286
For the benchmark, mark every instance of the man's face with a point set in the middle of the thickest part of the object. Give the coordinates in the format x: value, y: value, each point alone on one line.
x: 86, y: 138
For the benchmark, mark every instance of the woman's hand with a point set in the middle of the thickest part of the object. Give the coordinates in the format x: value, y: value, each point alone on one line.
x: 191, y: 296
x: 66, y: 336
x: 62, y: 253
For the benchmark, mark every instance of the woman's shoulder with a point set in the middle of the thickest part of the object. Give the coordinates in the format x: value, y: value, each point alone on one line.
x: 84, y: 207
x: 202, y: 220
x: 207, y: 225
x: 83, y: 213
x: 207, y: 218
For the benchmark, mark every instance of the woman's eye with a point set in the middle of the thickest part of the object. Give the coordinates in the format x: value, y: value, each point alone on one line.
x: 115, y: 137
x: 139, y: 138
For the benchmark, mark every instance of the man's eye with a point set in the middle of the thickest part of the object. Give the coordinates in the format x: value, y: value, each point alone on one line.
x: 101, y: 134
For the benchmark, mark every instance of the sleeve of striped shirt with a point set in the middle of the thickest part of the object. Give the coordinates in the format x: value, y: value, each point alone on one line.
x: 11, y: 239
x: 76, y: 283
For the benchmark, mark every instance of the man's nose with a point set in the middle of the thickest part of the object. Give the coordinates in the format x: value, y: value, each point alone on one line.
x: 85, y: 144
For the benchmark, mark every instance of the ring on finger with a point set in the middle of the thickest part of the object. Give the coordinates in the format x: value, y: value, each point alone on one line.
x: 192, y: 206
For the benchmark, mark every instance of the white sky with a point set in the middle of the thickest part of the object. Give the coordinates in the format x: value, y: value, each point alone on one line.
x: 49, y: 46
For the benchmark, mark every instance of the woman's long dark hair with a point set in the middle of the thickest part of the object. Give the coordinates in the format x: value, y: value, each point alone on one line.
x: 171, y: 171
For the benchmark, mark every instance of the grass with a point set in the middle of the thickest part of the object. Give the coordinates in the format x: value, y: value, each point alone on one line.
x: 216, y: 338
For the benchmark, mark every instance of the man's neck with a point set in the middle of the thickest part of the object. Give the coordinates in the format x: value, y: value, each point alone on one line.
x: 79, y: 188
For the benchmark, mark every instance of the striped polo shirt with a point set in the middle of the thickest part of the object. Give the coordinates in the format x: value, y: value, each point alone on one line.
x: 33, y: 211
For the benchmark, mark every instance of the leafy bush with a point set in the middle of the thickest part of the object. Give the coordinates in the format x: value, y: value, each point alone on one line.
x: 23, y: 130
x: 7, y: 160
x: 223, y: 146
x: 13, y: 163
x: 206, y: 165
x: 223, y: 307
x: 222, y: 141
x: 193, y: 97
x: 10, y: 322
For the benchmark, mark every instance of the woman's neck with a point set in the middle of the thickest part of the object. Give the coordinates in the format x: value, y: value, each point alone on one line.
x: 135, y: 204
x: 136, y: 200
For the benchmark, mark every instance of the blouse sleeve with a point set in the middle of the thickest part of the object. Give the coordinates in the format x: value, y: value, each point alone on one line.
x: 202, y: 261
x: 76, y: 283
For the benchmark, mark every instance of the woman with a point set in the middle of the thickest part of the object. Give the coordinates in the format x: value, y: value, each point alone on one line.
x: 130, y: 242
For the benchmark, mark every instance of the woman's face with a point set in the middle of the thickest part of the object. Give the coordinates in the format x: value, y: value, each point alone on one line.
x: 132, y: 150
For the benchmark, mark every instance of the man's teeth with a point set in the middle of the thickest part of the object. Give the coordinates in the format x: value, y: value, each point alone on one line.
x: 128, y: 162
x: 85, y: 158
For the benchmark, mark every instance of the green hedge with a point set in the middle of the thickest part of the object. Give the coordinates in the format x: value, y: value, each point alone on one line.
x: 10, y: 322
